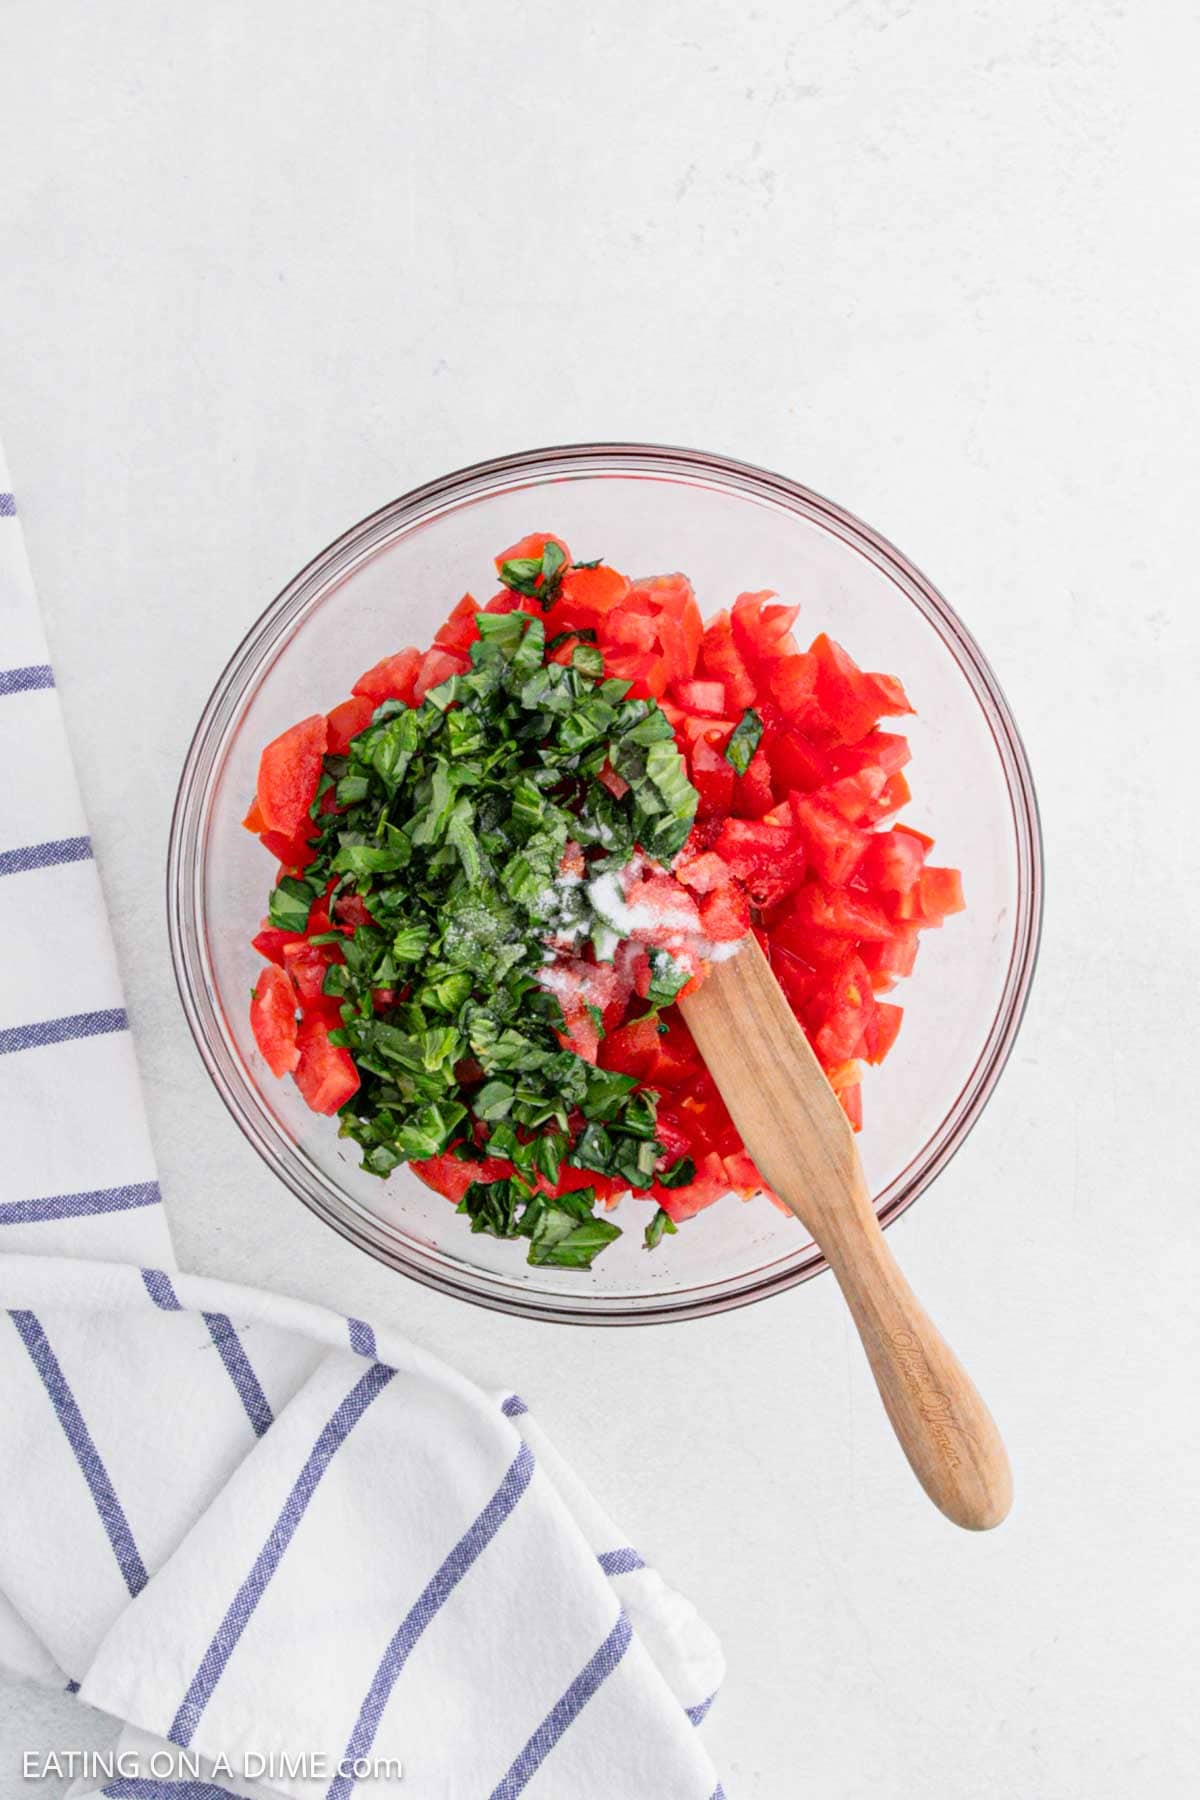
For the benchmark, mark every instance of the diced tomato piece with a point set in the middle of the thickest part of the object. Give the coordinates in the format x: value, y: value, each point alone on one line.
x: 886, y: 750
x: 797, y: 978
x: 762, y: 630
x: 629, y: 630
x: 895, y: 794
x: 391, y: 679
x: 796, y: 764
x: 753, y: 794
x: 880, y: 1033
x: 288, y: 773
x: 254, y: 820
x: 851, y: 699
x: 844, y: 1006
x: 437, y: 666
x: 590, y: 592
x: 580, y: 1032
x: 273, y: 1020
x: 509, y: 601
x: 769, y: 859
x: 842, y: 911
x: 710, y: 1183
x: 851, y: 1103
x: 701, y: 873
x: 632, y: 1050
x: 896, y: 956
x: 645, y: 671
x: 609, y: 1188
x: 704, y: 697
x: 941, y: 892
x: 721, y: 659
x: 453, y: 1175
x: 292, y: 854
x: 856, y: 796
x: 672, y: 1133
x: 794, y: 685
x: 712, y: 778
x: 271, y: 942
x: 325, y: 1073
x: 616, y: 784
x: 894, y: 859
x: 306, y: 964
x: 532, y: 548
x: 460, y: 630
x: 663, y: 909
x: 699, y: 1104
x: 346, y: 721
x: 351, y: 910
x: 724, y: 915
x: 834, y: 846
x: 572, y: 862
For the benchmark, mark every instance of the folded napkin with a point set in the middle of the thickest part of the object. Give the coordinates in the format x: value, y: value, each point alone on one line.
x: 291, y: 1551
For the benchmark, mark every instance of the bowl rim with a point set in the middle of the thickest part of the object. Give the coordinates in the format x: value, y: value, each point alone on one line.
x: 361, y: 541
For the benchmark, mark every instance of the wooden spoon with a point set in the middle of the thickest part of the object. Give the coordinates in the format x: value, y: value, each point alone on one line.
x: 802, y: 1144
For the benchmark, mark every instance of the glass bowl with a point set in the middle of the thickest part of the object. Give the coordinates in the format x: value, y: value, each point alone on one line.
x: 390, y: 581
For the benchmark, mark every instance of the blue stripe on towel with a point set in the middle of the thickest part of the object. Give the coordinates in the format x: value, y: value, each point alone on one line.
x: 62, y: 1031
x: 157, y: 1284
x: 513, y: 1407
x: 697, y: 1714
x: 362, y: 1338
x: 242, y: 1606
x: 233, y: 1354
x: 79, y: 1206
x: 8, y: 506
x: 565, y: 1711
x: 136, y: 1787
x: 20, y: 681
x: 45, y: 856
x: 473, y: 1541
x: 620, y: 1562
x: 223, y: 1333
x: 112, y: 1516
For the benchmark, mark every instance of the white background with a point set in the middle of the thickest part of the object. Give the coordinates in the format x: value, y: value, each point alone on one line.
x: 265, y: 267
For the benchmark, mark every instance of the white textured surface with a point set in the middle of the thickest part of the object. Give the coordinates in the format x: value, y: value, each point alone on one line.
x: 267, y: 267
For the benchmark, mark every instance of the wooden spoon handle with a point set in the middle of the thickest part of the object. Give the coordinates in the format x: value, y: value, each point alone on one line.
x: 944, y: 1428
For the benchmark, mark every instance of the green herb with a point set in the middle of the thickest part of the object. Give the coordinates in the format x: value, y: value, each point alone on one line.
x: 660, y: 1223
x: 452, y: 821
x: 744, y: 741
x: 289, y: 905
x: 538, y: 576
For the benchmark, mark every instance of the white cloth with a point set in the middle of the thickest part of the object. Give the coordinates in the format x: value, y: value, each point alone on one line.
x: 269, y: 1536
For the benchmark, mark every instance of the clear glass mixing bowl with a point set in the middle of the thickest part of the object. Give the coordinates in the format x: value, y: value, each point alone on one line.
x: 389, y: 581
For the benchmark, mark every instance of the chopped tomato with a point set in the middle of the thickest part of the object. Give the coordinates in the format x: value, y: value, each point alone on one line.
x: 532, y: 548
x: 753, y: 794
x: 288, y: 773
x: 273, y: 1020
x: 346, y: 721
x: 460, y: 630
x: 725, y: 914
x: 721, y: 659
x: 325, y: 1073
x: 437, y: 666
x: 391, y: 679
x: 704, y: 697
x: 452, y: 1175
x: 632, y: 1050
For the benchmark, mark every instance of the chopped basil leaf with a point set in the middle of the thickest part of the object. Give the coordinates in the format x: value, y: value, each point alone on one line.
x: 451, y: 826
x: 744, y: 741
x: 660, y: 1223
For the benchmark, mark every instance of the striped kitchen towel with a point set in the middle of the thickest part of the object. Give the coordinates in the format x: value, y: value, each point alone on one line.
x: 292, y: 1552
